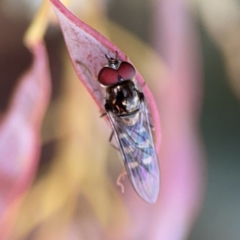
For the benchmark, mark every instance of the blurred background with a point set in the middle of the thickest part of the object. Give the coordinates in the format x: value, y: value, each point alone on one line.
x: 217, y: 27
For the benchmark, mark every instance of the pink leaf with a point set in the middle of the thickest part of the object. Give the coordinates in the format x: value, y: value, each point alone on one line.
x: 87, y: 49
x: 19, y: 132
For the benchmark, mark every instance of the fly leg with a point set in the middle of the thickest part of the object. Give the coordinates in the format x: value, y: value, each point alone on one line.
x: 111, y: 135
x: 118, y: 182
x: 103, y: 114
x: 110, y: 141
x: 144, y: 84
x: 152, y: 127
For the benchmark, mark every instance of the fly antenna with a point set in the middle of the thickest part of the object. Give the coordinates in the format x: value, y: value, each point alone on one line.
x: 116, y: 54
x: 113, y: 62
x: 107, y: 57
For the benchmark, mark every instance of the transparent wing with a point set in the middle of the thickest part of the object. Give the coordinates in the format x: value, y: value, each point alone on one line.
x: 139, y: 155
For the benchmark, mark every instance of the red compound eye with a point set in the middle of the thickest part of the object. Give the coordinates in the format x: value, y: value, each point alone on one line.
x: 108, y: 76
x: 126, y: 71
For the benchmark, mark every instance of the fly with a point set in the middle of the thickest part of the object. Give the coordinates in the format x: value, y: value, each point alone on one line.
x: 128, y: 115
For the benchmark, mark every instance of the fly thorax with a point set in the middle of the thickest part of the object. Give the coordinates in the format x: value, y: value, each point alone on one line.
x: 123, y: 99
x: 131, y: 102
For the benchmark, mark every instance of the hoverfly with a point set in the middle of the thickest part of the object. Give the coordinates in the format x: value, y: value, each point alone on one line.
x: 128, y: 115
